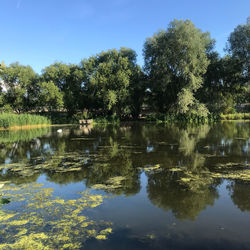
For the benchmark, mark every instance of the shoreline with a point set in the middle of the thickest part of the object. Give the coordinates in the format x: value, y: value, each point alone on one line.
x: 26, y: 127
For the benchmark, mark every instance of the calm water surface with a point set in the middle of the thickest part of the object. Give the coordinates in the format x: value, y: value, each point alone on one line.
x: 133, y: 186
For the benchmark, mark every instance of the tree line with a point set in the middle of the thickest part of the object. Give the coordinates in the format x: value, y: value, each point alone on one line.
x: 182, y: 74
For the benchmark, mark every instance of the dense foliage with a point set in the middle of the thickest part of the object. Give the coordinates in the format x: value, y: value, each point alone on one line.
x: 175, y: 61
x: 182, y: 76
x: 110, y: 80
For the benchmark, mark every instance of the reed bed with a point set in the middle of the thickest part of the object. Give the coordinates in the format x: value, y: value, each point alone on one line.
x: 22, y: 120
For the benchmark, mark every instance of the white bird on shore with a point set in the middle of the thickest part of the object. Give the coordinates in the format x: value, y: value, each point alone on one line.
x: 59, y: 131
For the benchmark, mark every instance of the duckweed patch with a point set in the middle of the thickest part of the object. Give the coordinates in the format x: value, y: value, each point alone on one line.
x: 175, y: 169
x: 196, y: 182
x: 111, y: 184
x: 149, y: 168
x: 68, y: 162
x: 232, y: 165
x: 43, y: 221
x: 231, y: 170
x: 235, y: 175
x: 104, y: 233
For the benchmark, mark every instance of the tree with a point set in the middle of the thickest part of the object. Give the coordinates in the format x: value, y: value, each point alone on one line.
x: 73, y: 90
x: 226, y: 81
x: 222, y: 84
x: 239, y: 49
x: 137, y: 86
x: 239, y: 191
x: 108, y: 78
x: 68, y: 78
x: 50, y: 96
x: 175, y: 62
x: 21, y: 86
x: 58, y: 73
x: 2, y: 65
x: 137, y: 90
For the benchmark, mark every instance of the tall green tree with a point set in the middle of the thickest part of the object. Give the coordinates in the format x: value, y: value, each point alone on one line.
x: 239, y: 49
x: 222, y: 84
x: 50, y: 97
x: 138, y: 83
x: 137, y: 91
x: 58, y: 73
x: 175, y: 62
x: 108, y: 79
x: 69, y: 79
x: 21, y: 86
x: 227, y: 79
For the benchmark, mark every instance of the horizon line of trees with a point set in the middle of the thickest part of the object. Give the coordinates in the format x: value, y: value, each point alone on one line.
x: 182, y: 74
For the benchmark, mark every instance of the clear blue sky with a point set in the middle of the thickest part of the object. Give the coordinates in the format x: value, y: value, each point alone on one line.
x: 40, y: 32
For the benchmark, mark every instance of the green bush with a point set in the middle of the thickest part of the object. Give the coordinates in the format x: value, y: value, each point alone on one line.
x: 107, y: 120
x: 59, y: 117
x: 6, y: 109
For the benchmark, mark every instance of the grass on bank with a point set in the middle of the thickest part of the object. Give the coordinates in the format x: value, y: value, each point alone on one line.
x: 194, y: 118
x: 181, y: 118
x: 8, y: 120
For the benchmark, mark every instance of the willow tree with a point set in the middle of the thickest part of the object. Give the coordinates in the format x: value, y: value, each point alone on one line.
x: 175, y: 62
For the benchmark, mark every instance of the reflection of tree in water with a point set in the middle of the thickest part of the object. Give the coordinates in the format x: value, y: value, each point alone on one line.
x: 16, y: 178
x: 112, y: 161
x: 112, y: 157
x: 73, y: 157
x: 229, y: 139
x: 240, y: 194
x: 97, y: 162
x: 190, y: 190
x: 166, y: 191
x: 16, y: 145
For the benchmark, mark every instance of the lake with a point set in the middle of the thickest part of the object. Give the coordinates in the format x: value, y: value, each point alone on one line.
x: 132, y: 186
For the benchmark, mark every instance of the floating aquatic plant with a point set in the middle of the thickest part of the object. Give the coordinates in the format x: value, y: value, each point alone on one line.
x: 111, y: 184
x: 149, y: 168
x: 49, y: 222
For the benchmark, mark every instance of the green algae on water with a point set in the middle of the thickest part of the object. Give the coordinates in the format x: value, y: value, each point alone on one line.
x: 149, y: 168
x: 43, y: 221
x: 111, y: 184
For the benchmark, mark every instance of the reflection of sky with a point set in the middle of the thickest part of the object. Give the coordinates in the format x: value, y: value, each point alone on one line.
x: 47, y: 148
x: 150, y: 149
x: 246, y: 147
x: 7, y: 161
x: 226, y: 142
